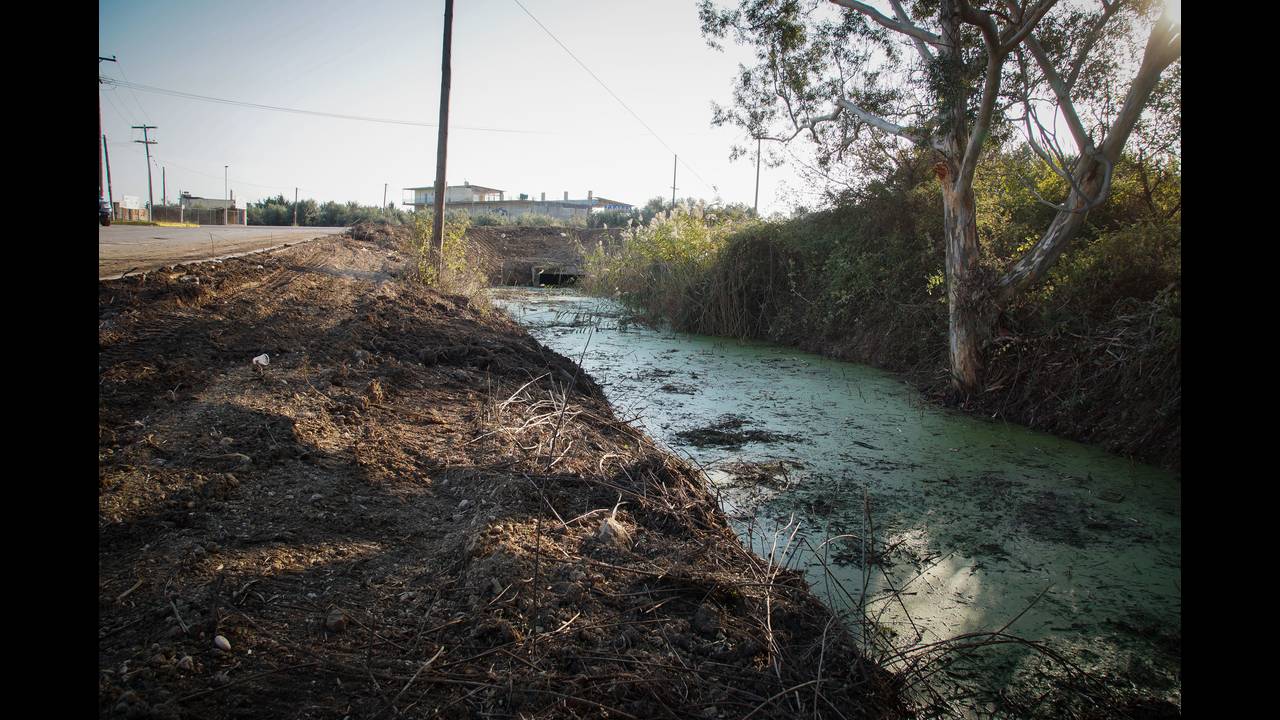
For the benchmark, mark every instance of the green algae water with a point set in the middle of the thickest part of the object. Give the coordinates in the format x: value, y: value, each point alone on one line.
x: 935, y: 523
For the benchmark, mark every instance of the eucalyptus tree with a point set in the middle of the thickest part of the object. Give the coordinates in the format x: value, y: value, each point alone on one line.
x: 956, y: 78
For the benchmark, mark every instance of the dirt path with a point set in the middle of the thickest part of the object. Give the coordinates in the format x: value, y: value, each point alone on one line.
x: 399, y: 516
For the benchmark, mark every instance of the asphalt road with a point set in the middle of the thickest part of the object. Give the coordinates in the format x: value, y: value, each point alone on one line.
x: 139, y: 248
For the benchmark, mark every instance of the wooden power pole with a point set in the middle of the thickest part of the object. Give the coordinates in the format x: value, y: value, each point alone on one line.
x: 103, y: 147
x: 437, y: 223
x: 757, y: 205
x: 111, y: 201
x: 147, y: 143
x: 674, y: 160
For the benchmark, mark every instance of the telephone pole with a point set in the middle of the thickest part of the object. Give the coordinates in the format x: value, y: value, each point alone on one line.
x: 295, y: 207
x: 757, y: 206
x: 675, y: 159
x: 111, y: 202
x: 384, y: 198
x: 101, y: 136
x: 437, y: 223
x: 147, y: 143
x: 164, y: 195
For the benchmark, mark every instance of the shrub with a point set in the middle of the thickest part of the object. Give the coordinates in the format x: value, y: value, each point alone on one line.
x: 455, y: 273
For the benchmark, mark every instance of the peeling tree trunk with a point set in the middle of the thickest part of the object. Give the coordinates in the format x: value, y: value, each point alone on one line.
x: 966, y: 323
x: 965, y: 326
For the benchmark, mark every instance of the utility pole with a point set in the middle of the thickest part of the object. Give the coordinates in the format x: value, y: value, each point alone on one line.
x: 224, y: 194
x: 106, y: 148
x: 437, y: 223
x: 295, y: 207
x: 102, y: 147
x: 164, y: 195
x: 384, y: 198
x: 757, y: 206
x: 147, y: 143
x: 675, y: 159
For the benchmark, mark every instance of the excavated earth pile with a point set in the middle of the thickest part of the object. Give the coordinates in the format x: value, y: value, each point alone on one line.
x: 411, y: 508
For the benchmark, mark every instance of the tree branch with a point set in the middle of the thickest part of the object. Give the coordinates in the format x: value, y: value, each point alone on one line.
x: 1015, y: 34
x: 990, y: 88
x: 811, y: 126
x: 925, y: 53
x: 1060, y: 92
x: 1164, y: 45
x: 1108, y: 9
x: 882, y: 124
x: 903, y: 27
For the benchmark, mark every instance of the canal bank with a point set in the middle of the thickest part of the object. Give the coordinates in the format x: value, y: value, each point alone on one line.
x: 937, y: 524
x: 327, y: 490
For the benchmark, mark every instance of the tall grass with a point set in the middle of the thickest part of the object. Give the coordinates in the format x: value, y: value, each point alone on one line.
x: 661, y: 269
x: 456, y: 271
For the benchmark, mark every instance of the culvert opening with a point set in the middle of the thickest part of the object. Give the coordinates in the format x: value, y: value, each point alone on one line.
x: 557, y: 279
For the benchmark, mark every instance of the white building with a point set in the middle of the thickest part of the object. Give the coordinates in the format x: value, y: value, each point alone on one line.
x: 480, y: 200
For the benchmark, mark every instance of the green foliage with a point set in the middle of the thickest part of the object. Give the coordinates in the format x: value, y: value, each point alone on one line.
x: 652, y: 208
x: 278, y: 210
x: 449, y: 271
x: 612, y: 218
x: 540, y: 220
x: 658, y: 262
x: 864, y: 280
x: 489, y: 219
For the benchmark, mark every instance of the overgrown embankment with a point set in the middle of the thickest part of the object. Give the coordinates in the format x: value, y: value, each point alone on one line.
x: 1093, y: 353
x: 511, y: 253
x: 412, y: 509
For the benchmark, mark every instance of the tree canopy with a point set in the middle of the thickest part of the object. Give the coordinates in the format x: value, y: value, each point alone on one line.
x: 1070, y: 80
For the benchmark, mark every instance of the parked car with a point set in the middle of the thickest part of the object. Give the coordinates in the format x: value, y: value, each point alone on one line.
x: 104, y: 212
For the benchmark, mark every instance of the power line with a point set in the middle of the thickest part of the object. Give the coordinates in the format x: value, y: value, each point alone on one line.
x: 301, y: 111
x: 615, y: 96
x: 135, y: 97
x: 170, y: 163
x: 145, y: 116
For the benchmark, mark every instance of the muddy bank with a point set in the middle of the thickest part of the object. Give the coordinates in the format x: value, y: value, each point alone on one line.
x: 412, y: 509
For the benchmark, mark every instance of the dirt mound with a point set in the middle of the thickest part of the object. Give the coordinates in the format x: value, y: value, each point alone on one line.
x: 413, y: 508
x: 385, y: 236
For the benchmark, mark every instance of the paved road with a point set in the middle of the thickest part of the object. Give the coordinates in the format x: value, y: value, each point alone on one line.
x: 137, y: 248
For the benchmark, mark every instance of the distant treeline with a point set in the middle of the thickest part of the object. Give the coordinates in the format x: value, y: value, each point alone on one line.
x: 279, y: 210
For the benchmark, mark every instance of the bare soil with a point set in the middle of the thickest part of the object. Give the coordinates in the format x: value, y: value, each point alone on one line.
x: 416, y: 510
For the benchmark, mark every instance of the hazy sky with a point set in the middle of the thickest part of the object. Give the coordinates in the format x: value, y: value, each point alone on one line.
x: 381, y: 58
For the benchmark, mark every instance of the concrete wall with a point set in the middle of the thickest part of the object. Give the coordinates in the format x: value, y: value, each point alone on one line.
x: 209, y: 203
x: 199, y: 216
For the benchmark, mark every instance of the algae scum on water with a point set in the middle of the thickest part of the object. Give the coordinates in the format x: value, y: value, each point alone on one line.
x: 936, y: 523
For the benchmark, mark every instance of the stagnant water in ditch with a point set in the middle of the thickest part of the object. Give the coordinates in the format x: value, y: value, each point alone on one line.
x: 970, y: 524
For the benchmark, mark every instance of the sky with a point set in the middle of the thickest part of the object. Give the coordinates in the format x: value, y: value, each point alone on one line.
x: 381, y: 58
